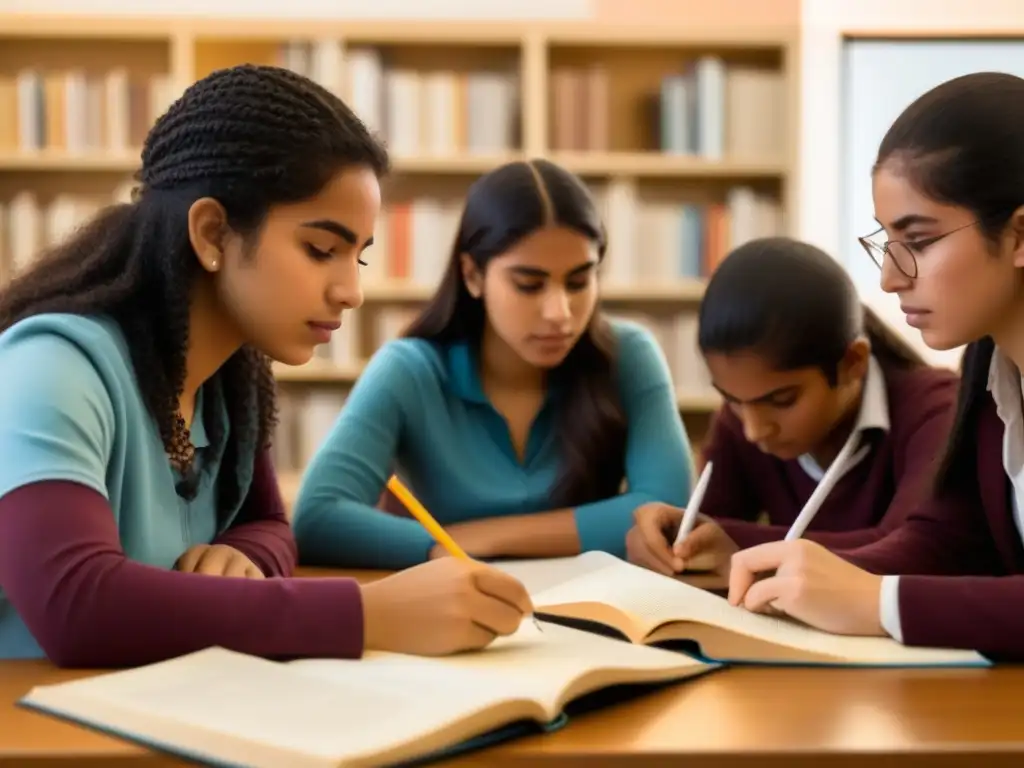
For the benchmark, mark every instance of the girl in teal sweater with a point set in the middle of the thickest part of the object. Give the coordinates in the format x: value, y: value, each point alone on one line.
x: 512, y: 408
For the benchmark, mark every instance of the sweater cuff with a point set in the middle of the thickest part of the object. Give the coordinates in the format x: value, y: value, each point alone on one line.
x: 889, y: 607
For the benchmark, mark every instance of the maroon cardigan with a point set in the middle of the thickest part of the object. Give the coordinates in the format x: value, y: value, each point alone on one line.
x: 88, y: 605
x: 868, y: 501
x: 963, y: 560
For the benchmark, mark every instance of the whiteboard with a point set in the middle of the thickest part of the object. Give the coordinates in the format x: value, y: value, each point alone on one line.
x: 880, y: 79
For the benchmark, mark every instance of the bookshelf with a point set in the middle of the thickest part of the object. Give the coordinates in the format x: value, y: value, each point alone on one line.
x: 686, y: 137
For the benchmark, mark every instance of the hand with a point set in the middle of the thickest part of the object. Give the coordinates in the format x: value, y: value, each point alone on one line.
x: 443, y: 606
x: 218, y: 560
x: 809, y: 584
x: 707, y: 548
x: 650, y: 543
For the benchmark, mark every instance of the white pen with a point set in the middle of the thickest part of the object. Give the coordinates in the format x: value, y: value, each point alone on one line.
x: 690, y: 516
x: 828, y: 481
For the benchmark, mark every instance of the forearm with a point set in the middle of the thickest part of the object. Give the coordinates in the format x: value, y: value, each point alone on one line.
x: 88, y: 605
x: 603, y: 525
x: 539, y: 535
x: 346, y: 534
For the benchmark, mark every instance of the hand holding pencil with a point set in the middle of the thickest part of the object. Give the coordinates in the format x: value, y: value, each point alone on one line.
x: 439, y: 534
x: 670, y: 540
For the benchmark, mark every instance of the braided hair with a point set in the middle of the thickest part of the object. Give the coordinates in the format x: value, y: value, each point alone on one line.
x: 250, y: 137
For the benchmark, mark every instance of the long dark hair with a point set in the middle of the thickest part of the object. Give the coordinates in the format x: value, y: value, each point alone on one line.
x: 962, y: 144
x: 795, y: 306
x: 502, y: 208
x: 251, y: 137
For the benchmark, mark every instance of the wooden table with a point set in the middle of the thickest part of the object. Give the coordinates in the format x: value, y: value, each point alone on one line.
x: 735, y: 718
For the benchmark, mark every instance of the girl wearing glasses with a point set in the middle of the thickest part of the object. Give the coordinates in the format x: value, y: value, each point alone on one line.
x: 805, y: 371
x: 948, y: 186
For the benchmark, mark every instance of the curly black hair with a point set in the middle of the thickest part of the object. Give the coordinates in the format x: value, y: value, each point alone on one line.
x: 250, y: 137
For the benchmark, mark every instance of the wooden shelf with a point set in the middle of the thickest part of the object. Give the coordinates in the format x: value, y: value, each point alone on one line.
x: 664, y: 165
x: 85, y: 162
x: 646, y: 164
x: 682, y: 291
x: 128, y: 162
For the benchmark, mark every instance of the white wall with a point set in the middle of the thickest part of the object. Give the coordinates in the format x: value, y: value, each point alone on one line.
x: 834, y: 190
x: 880, y: 79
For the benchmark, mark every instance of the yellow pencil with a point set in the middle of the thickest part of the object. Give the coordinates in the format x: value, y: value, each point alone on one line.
x: 439, y: 534
x: 427, y: 520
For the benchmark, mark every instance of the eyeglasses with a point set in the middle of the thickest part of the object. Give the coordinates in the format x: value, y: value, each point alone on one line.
x: 901, y: 254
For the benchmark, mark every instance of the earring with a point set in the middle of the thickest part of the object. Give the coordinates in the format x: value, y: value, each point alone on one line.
x: 213, y: 264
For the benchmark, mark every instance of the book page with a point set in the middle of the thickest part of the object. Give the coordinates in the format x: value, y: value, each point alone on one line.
x: 652, y: 600
x: 550, y: 665
x: 540, y: 574
x: 245, y: 710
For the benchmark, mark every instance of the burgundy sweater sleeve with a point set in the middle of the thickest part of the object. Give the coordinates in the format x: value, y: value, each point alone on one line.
x: 261, y: 530
x: 943, y: 537
x: 921, y: 439
x: 977, y: 613
x: 88, y: 605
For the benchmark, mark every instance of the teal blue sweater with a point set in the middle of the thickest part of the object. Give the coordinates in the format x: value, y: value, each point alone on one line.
x: 419, y: 409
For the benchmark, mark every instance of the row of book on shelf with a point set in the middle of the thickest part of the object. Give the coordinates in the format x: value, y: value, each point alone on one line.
x: 650, y: 241
x: 306, y: 413
x: 78, y: 110
x: 419, y: 112
x: 709, y: 108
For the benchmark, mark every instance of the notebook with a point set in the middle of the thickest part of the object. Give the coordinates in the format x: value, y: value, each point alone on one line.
x: 598, y: 592
x: 219, y: 706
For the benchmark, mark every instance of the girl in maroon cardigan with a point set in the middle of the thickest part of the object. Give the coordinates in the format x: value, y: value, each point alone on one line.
x: 948, y: 191
x: 140, y: 516
x: 803, y: 369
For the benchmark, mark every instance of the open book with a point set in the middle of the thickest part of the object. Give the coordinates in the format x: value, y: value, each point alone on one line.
x: 600, y: 592
x: 224, y: 707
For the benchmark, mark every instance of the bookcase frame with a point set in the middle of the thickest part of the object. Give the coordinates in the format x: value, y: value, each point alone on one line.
x: 194, y: 46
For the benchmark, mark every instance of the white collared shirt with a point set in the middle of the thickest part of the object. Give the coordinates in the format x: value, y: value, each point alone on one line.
x: 1007, y: 388
x: 874, y: 414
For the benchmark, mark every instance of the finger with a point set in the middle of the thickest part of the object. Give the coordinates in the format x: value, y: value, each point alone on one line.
x: 501, y: 586
x: 495, y: 615
x: 188, y: 561
x: 213, y: 561
x: 236, y: 567
x: 699, y: 539
x: 253, y: 572
x: 747, y: 564
x: 765, y: 594
x: 654, y: 532
x: 647, y: 559
x: 477, y: 637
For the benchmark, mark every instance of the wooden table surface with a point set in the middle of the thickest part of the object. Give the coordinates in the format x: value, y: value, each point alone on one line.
x: 740, y: 717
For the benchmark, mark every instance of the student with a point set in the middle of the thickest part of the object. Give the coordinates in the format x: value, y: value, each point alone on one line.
x: 948, y: 190
x: 803, y: 369
x: 140, y: 517
x: 511, y: 408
